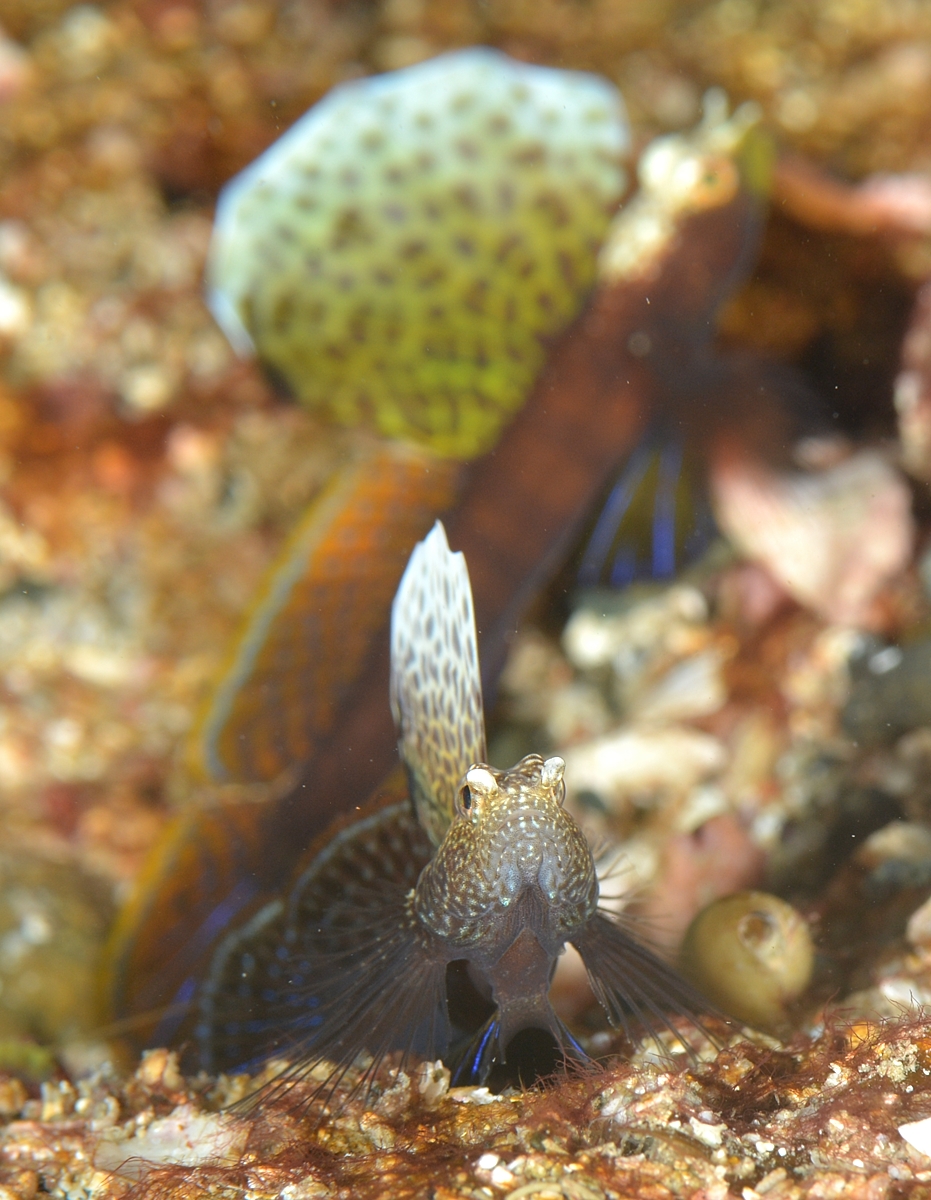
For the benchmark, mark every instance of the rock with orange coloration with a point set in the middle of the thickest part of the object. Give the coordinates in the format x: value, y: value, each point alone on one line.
x: 821, y: 1118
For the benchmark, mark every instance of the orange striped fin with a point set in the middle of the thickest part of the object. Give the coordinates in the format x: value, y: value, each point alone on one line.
x: 176, y: 911
x: 313, y: 624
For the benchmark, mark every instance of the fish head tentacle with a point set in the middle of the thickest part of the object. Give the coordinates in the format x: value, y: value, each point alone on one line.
x: 682, y: 174
x: 513, y: 858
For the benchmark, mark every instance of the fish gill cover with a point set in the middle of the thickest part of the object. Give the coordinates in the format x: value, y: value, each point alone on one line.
x: 402, y: 253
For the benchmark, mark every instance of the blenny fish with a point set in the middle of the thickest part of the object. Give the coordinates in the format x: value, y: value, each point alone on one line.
x: 298, y: 719
x: 480, y: 866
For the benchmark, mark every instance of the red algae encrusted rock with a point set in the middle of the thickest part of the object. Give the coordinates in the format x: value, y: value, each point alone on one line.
x: 755, y: 1118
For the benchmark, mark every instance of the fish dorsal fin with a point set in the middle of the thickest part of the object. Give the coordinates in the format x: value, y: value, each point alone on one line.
x: 356, y: 255
x: 436, y: 687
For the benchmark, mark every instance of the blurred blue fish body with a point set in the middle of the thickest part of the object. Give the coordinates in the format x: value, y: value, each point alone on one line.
x: 657, y: 517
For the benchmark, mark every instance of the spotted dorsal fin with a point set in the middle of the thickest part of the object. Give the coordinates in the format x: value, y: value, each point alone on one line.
x: 405, y: 252
x: 436, y: 689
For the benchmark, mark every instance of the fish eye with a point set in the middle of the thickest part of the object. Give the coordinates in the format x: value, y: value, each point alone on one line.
x: 717, y: 183
x: 478, y: 786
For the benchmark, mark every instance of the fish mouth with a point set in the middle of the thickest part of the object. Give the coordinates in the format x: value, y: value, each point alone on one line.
x: 526, y: 848
x: 526, y: 862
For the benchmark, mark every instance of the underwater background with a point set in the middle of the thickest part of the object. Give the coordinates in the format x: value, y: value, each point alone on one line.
x: 754, y: 719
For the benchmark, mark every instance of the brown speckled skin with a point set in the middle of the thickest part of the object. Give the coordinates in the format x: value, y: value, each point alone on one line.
x: 514, y: 839
x: 512, y: 881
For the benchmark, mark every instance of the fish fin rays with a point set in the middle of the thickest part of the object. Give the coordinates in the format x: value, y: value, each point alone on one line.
x: 632, y: 984
x: 339, y: 968
x: 318, y: 1008
x: 656, y: 519
x: 391, y: 999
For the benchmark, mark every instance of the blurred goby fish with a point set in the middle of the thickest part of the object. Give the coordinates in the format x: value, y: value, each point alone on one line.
x: 481, y: 866
x: 298, y: 719
x: 401, y: 258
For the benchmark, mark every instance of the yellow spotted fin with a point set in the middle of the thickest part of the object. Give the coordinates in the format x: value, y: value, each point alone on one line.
x: 403, y: 253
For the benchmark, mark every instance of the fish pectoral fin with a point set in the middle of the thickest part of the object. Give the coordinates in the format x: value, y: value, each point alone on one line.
x: 631, y: 982
x: 342, y: 968
x: 383, y: 996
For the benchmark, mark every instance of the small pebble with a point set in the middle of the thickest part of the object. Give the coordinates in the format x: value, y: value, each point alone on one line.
x: 918, y: 929
x: 642, y: 762
x: 159, y: 1071
x: 918, y: 1135
x: 12, y: 1097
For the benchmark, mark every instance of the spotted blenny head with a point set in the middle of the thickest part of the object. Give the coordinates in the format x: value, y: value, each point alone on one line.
x: 683, y: 174
x: 402, y: 254
x: 510, y: 834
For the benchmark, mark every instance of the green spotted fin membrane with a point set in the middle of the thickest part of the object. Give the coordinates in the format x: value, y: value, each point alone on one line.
x: 402, y: 254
